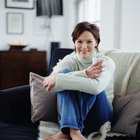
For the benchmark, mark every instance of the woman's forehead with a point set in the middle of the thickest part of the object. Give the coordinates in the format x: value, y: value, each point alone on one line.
x: 86, y: 35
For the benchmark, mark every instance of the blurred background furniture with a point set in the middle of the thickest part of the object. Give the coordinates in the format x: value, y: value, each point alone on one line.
x: 15, y: 66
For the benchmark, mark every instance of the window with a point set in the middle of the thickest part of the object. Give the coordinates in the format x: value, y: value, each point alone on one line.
x: 89, y: 10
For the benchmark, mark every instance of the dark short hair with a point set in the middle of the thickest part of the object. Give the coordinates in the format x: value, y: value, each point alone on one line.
x: 86, y: 26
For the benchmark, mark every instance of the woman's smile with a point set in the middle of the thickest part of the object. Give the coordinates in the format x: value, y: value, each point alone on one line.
x: 84, y: 52
x: 85, y: 44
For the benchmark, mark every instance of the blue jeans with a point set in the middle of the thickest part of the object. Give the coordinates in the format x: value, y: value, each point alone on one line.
x: 75, y: 110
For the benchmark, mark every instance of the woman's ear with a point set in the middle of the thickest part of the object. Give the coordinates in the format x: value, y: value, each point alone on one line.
x: 74, y: 48
x: 96, y: 47
x: 96, y: 43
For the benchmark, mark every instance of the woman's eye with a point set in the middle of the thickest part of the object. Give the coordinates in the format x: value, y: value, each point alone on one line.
x: 89, y: 41
x: 79, y: 41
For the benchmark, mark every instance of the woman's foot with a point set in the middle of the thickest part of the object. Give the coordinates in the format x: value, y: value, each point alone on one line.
x: 58, y: 136
x: 76, y: 134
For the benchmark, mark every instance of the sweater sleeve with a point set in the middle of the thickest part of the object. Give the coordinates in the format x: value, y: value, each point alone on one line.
x: 85, y: 84
x: 81, y: 73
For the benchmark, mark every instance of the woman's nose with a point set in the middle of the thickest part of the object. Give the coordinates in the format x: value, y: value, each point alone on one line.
x: 84, y: 46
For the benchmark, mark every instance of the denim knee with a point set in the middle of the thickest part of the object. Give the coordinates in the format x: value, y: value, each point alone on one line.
x: 66, y: 70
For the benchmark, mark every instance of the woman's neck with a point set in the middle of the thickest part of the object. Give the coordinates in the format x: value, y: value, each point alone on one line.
x: 86, y: 60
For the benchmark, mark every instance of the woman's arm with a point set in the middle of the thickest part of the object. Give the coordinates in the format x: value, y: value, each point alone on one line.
x: 88, y: 85
x: 92, y: 72
x: 63, y: 81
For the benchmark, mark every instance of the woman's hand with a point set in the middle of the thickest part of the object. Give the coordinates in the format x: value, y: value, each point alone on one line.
x: 50, y: 81
x: 95, y: 69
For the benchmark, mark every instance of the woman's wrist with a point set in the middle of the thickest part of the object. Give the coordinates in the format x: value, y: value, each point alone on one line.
x: 86, y: 73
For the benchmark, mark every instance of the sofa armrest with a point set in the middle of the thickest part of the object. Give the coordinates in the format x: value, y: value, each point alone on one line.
x: 15, y: 106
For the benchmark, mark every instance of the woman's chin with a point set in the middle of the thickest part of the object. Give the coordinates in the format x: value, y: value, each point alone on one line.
x: 84, y: 57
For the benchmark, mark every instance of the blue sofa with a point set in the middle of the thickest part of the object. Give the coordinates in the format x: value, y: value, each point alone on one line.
x: 15, y: 114
x: 15, y: 110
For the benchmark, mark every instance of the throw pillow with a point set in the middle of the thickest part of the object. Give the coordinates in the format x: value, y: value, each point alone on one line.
x: 126, y: 113
x: 43, y: 103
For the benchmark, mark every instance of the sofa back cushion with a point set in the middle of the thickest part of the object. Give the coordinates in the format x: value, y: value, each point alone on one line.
x: 58, y: 54
x: 127, y: 77
x: 126, y: 90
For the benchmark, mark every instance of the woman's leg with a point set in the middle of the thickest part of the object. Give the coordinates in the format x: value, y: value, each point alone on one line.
x: 74, y: 106
x: 73, y: 109
x: 100, y: 113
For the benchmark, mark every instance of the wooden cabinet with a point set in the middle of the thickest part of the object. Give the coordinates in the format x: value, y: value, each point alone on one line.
x: 15, y: 67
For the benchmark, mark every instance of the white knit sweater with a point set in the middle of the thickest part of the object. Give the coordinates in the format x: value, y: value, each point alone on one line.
x: 78, y: 80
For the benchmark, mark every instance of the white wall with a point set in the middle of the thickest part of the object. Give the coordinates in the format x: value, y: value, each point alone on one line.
x: 120, y: 28
x: 130, y: 22
x: 29, y: 35
x: 120, y: 22
x: 34, y: 33
x: 107, y: 23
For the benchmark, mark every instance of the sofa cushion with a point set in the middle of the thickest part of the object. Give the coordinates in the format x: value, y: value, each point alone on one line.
x: 126, y: 113
x: 14, y: 102
x: 127, y: 71
x: 43, y: 103
x: 5, y: 107
x: 18, y: 132
x: 57, y: 55
x: 138, y: 131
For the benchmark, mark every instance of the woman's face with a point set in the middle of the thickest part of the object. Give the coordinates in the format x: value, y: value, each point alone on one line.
x: 85, y: 44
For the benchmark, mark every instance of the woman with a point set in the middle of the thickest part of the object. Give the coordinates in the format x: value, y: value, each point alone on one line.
x: 80, y: 84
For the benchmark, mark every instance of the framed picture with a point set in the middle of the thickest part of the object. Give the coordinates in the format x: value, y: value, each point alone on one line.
x: 14, y: 23
x: 19, y: 4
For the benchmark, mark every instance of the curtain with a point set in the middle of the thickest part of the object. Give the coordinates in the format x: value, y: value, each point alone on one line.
x: 49, y: 7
